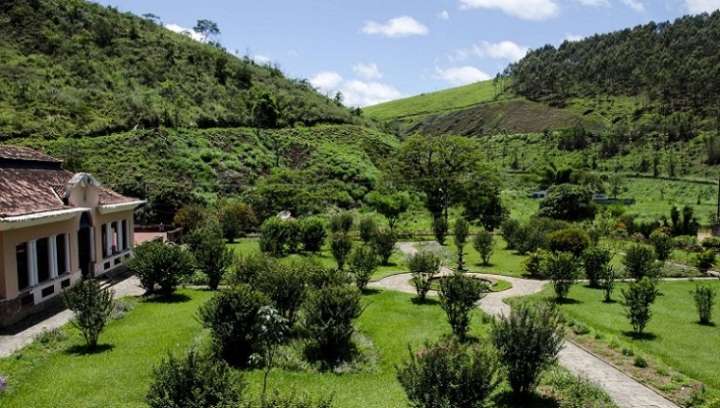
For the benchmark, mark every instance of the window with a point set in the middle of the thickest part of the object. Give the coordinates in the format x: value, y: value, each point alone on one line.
x: 104, y: 241
x: 23, y: 271
x: 43, y: 259
x: 60, y: 241
x: 124, y: 230
x: 115, y: 237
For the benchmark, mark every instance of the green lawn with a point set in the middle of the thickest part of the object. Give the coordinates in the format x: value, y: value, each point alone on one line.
x: 502, y: 262
x: 675, y: 337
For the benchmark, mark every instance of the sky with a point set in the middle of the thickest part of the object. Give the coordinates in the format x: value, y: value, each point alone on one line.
x: 378, y: 50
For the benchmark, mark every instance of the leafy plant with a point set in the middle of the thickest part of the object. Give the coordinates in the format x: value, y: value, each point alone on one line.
x: 284, y: 285
x: 606, y: 282
x: 363, y: 262
x: 341, y: 222
x: 279, y: 237
x: 568, y: 202
x: 663, y: 244
x: 424, y: 266
x: 211, y: 254
x: 705, y: 260
x: 638, y: 298
x: 596, y: 261
x: 391, y: 206
x: 460, y: 234
x: 484, y: 244
x: 572, y: 240
x: 92, y: 306
x: 533, y: 265
x: 704, y: 301
x: 272, y: 331
x: 340, y: 245
x: 458, y: 296
x: 165, y: 265
x: 367, y: 228
x: 440, y: 228
x: 312, y: 233
x: 236, y: 219
x: 640, y: 261
x: 384, y: 242
x: 562, y: 269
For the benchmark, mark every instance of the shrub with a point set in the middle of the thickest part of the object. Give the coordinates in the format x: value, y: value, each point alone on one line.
x: 328, y: 320
x: 460, y: 234
x: 92, y: 306
x: 236, y: 219
x: 640, y: 362
x: 533, y: 235
x: 528, y: 342
x: 423, y: 265
x: 568, y: 202
x: 509, y: 229
x: 663, y: 244
x: 606, y: 282
x: 340, y: 245
x: 363, y: 263
x: 284, y: 285
x: 638, y: 298
x: 392, y: 206
x: 290, y: 401
x: 704, y: 302
x: 211, y: 254
x: 705, y: 260
x: 449, y: 374
x: 279, y: 237
x: 232, y: 317
x: 341, y: 222
x: 711, y: 243
x: 321, y: 277
x: 247, y: 268
x: 576, y: 392
x: 562, y: 269
x: 165, y: 265
x: 312, y: 233
x: 533, y: 265
x: 367, y: 228
x: 384, y: 242
x: 458, y: 295
x: 595, y: 261
x: 484, y: 244
x: 571, y: 240
x: 640, y: 261
x: 189, y: 217
x: 193, y: 381
x: 440, y: 228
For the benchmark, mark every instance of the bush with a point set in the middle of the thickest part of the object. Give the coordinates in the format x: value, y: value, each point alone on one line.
x: 533, y: 235
x: 533, y: 265
x: 568, y: 202
x: 165, y: 265
x: 640, y: 261
x: 460, y: 234
x: 92, y: 306
x: 340, y: 245
x: 595, y: 261
x: 391, y: 206
x: 638, y: 298
x: 440, y: 228
x: 328, y: 320
x: 279, y: 237
x: 423, y: 265
x: 247, y: 268
x: 284, y: 285
x: 562, y: 269
x: 367, y: 228
x: 663, y: 244
x: 528, y: 342
x: 705, y: 260
x: 484, y: 245
x: 509, y: 229
x: 211, y: 254
x: 571, y: 240
x: 704, y: 301
x: 232, y: 317
x: 640, y: 362
x: 458, y: 295
x: 449, y: 374
x: 290, y: 401
x: 575, y: 392
x: 312, y: 233
x: 363, y: 263
x: 236, y: 219
x: 341, y: 222
x: 384, y: 244
x: 711, y: 243
x: 193, y: 381
x: 606, y: 282
x: 189, y: 217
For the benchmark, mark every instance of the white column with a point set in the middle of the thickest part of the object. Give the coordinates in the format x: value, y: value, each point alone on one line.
x: 120, y: 236
x: 32, y: 262
x: 52, y: 242
x: 67, y: 254
x: 108, y: 239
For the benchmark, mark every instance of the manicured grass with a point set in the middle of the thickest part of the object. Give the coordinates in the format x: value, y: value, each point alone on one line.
x: 674, y: 335
x: 503, y: 261
x: 61, y: 374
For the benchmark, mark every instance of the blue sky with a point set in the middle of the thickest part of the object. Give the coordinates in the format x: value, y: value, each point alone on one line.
x: 377, y: 50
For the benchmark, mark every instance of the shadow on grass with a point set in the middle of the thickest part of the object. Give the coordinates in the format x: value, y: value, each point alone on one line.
x: 425, y: 302
x: 641, y: 337
x: 85, y: 350
x: 706, y: 324
x: 371, y: 291
x: 609, y: 302
x: 567, y: 301
x: 509, y: 400
x: 174, y: 298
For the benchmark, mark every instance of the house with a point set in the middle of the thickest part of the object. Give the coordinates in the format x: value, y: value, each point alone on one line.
x: 55, y: 227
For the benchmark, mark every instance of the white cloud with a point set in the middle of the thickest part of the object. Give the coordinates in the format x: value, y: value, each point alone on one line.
x: 503, y: 50
x: 595, y: 3
x: 636, y: 5
x: 461, y: 75
x: 702, y: 6
x: 574, y: 37
x: 524, y: 9
x: 444, y: 15
x: 326, y: 81
x: 185, y: 31
x: 404, y: 26
x: 367, y: 71
x: 261, y: 59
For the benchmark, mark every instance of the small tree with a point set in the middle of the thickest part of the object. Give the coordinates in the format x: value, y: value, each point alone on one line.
x: 92, y: 306
x: 528, y: 342
x: 460, y: 234
x: 606, y: 282
x: 391, y: 206
x: 236, y: 219
x: 572, y: 240
x: 424, y: 266
x: 341, y: 222
x: 563, y: 270
x: 663, y: 244
x: 638, y: 298
x: 440, y: 228
x: 279, y: 237
x: 458, y: 296
x: 328, y: 320
x: 312, y: 233
x: 272, y: 331
x: 595, y: 261
x: 190, y: 217
x: 533, y: 265
x: 705, y: 260
x: 194, y: 380
x: 232, y: 316
x: 367, y: 228
x: 484, y: 244
x: 363, y: 263
x: 450, y: 374
x: 640, y: 261
x: 165, y: 265
x: 509, y: 229
x: 384, y: 243
x: 211, y: 254
x: 341, y: 245
x: 704, y: 301
x: 284, y: 285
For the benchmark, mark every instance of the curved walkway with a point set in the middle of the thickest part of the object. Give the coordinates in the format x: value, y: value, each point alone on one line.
x: 624, y: 390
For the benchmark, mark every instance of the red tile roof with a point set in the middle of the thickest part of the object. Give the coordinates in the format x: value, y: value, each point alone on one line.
x: 25, y: 154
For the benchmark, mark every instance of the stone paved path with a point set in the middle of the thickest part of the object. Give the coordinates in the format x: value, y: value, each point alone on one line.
x: 625, y: 391
x: 13, y: 342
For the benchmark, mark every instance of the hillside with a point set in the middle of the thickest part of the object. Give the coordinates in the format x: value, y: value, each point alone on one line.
x: 74, y: 68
